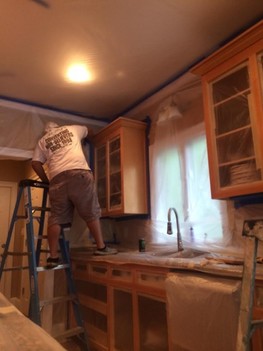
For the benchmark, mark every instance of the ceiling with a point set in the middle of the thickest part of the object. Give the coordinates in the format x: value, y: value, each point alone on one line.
x: 132, y: 48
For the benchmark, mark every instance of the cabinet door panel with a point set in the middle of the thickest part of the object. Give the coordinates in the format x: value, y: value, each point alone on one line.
x: 235, y: 147
x: 153, y: 324
x: 260, y: 60
x: 101, y: 188
x: 235, y: 142
x: 232, y: 114
x: 232, y: 82
x: 123, y: 320
x: 115, y: 155
x: 120, y: 168
x: 101, y: 164
x: 115, y: 191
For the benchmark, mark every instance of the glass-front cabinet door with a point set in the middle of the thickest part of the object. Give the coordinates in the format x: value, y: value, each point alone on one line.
x: 234, y: 127
x: 108, y: 174
x: 101, y: 167
x: 260, y: 67
x: 115, y: 173
x: 120, y: 168
x: 233, y: 112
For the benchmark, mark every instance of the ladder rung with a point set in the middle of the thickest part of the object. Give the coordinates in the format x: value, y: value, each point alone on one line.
x: 17, y: 268
x: 60, y: 266
x: 37, y: 208
x: 13, y: 253
x: 44, y: 251
x: 21, y: 217
x: 47, y: 251
x: 57, y: 299
x: 68, y: 333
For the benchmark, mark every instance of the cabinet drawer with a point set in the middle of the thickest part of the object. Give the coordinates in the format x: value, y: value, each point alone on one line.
x: 150, y: 279
x: 92, y: 290
x: 80, y: 270
x: 121, y: 275
x: 98, y: 270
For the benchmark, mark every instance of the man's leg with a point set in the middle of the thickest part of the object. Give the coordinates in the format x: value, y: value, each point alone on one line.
x: 53, y: 233
x: 95, y: 230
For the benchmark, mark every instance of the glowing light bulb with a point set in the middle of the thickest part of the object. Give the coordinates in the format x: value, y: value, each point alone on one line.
x: 78, y: 73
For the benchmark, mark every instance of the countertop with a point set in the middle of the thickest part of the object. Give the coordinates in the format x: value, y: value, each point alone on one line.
x: 211, y: 263
x: 17, y: 332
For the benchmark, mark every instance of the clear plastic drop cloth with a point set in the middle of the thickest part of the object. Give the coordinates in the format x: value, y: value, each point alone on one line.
x: 236, y: 135
x: 180, y: 178
x: 22, y: 125
x: 202, y: 312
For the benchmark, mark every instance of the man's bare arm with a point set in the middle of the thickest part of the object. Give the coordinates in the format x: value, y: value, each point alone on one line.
x: 39, y: 169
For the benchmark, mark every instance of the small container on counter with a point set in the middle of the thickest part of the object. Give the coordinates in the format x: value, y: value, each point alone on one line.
x: 142, y: 245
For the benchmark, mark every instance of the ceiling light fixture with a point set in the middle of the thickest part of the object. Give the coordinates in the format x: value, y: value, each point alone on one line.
x: 78, y: 73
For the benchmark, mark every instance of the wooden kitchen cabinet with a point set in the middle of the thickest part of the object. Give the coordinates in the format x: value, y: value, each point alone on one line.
x: 123, y: 337
x: 257, y: 337
x: 232, y: 86
x: 120, y: 168
x: 91, y: 285
x: 153, y: 333
x: 124, y: 308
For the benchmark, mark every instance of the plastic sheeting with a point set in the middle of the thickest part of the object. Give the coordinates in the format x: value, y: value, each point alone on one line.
x: 180, y: 178
x: 202, y: 312
x: 22, y: 125
x: 234, y: 127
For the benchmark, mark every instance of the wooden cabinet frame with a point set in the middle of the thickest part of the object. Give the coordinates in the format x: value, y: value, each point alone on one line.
x: 244, y: 50
x: 132, y: 185
x: 136, y: 282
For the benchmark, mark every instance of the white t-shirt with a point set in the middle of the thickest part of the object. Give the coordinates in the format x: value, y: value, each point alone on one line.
x: 62, y: 150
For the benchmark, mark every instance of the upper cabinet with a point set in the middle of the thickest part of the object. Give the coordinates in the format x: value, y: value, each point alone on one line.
x: 232, y: 86
x: 120, y: 168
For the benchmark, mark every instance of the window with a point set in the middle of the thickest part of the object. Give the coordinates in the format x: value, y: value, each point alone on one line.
x: 180, y: 179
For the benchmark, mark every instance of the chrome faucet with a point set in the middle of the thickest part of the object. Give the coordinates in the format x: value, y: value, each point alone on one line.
x: 170, y: 229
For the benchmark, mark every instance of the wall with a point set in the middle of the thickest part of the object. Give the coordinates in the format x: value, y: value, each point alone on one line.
x: 12, y: 171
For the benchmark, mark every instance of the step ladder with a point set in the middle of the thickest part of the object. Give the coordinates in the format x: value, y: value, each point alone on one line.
x: 253, y: 232
x: 34, y: 250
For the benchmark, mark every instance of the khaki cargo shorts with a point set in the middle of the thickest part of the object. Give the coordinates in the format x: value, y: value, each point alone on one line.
x: 73, y: 189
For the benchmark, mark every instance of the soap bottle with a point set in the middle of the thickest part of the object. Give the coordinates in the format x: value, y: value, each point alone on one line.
x: 192, y: 238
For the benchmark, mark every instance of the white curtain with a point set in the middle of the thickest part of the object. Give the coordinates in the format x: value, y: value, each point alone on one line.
x: 180, y: 179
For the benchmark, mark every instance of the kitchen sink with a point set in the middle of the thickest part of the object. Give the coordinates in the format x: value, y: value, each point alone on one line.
x: 186, y: 253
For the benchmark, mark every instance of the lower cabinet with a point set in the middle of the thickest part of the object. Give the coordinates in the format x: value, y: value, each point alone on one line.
x: 93, y: 299
x: 124, y: 308
x: 153, y: 324
x: 123, y: 335
x: 257, y: 338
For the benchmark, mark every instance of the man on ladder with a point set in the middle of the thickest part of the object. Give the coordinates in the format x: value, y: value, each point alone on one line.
x: 71, y: 184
